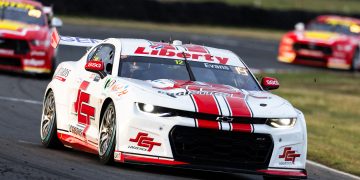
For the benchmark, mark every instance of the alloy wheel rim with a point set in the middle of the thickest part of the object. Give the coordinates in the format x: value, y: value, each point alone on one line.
x: 107, y: 130
x: 48, y: 117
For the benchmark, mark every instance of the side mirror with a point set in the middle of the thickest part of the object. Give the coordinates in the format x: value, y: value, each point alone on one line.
x: 269, y: 83
x: 96, y: 67
x: 56, y: 22
x: 299, y: 26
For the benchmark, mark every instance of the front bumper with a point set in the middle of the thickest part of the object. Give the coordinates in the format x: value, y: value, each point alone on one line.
x: 148, y: 139
x: 319, y: 56
x: 20, y: 56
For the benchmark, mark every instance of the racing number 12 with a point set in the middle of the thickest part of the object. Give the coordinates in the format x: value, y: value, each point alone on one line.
x: 83, y: 110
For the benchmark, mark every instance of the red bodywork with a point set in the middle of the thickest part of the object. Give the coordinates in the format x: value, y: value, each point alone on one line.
x: 321, y: 48
x: 25, y: 47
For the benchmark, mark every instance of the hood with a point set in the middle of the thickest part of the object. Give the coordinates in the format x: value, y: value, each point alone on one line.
x: 20, y: 30
x: 208, y: 98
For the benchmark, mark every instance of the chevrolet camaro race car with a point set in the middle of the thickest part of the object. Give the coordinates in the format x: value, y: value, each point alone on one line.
x: 25, y: 29
x: 327, y: 41
x: 172, y: 104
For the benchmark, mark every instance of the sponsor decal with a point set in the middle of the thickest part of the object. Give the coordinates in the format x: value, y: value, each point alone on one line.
x: 94, y: 65
x: 216, y: 66
x: 62, y: 74
x: 79, y: 40
x: 289, y: 156
x: 173, y: 53
x: 81, y: 106
x: 7, y: 52
x: 109, y: 83
x: 119, y: 89
x: 37, y: 53
x: 77, y: 130
x: 34, y: 62
x: 191, y: 92
x: 272, y: 82
x: 241, y: 71
x: 143, y: 142
x: 16, y: 5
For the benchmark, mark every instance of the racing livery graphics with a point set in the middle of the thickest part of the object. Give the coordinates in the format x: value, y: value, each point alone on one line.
x: 327, y: 41
x: 172, y: 104
x: 25, y: 28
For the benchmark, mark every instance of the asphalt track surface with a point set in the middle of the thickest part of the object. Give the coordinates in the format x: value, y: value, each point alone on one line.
x: 23, y: 157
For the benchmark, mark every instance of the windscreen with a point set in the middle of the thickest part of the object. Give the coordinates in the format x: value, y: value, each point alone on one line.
x: 28, y: 16
x: 348, y: 29
x: 152, y: 68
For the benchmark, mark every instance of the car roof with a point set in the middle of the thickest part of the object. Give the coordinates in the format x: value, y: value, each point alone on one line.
x: 338, y: 18
x: 176, y: 50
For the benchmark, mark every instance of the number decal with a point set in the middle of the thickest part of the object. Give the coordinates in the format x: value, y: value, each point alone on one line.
x: 179, y: 62
x: 82, y: 108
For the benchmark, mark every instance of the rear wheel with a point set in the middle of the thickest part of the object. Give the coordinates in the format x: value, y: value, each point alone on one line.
x: 107, y: 135
x: 355, y: 66
x: 48, y: 129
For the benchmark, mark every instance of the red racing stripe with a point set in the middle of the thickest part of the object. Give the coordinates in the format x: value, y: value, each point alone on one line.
x: 238, y: 107
x: 206, y: 104
x: 208, y: 124
x: 241, y: 127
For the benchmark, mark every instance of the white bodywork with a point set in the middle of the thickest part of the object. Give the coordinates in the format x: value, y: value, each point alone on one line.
x: 131, y: 121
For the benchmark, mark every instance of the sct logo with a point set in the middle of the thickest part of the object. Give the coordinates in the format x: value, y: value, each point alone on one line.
x: 143, y: 140
x: 289, y: 155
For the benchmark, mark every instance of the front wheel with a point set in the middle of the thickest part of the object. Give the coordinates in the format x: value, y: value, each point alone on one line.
x: 107, y: 135
x: 48, y: 129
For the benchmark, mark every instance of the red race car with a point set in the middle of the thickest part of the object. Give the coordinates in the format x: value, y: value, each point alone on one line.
x: 328, y: 41
x: 25, y: 29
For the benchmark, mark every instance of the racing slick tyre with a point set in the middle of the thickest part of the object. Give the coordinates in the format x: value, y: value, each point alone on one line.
x: 107, y: 135
x: 356, y: 61
x: 48, y: 129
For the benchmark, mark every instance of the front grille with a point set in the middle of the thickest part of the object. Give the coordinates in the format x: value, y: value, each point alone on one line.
x: 15, y: 62
x: 19, y: 46
x: 307, y: 58
x: 324, y: 49
x: 221, y: 148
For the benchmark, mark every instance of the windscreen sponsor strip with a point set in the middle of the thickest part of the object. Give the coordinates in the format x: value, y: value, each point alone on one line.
x: 19, y: 5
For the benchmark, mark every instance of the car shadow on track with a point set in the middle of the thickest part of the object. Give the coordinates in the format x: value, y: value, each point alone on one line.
x: 160, y: 170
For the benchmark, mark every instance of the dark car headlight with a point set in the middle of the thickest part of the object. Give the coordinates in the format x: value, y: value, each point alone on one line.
x: 156, y: 110
x: 281, y: 122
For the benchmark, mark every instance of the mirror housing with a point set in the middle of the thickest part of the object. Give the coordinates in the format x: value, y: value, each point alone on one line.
x: 300, y: 26
x: 56, y: 22
x: 96, y: 67
x: 269, y: 83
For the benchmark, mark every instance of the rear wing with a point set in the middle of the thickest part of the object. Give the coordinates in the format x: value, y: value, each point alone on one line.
x: 56, y: 39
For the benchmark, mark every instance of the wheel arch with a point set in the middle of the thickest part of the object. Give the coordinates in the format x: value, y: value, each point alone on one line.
x: 107, y: 101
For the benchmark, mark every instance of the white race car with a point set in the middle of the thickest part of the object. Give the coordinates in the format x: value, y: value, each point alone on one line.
x: 172, y: 104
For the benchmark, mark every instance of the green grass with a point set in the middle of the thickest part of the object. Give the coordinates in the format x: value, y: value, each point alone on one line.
x: 198, y: 29
x: 331, y: 104
x: 343, y: 6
